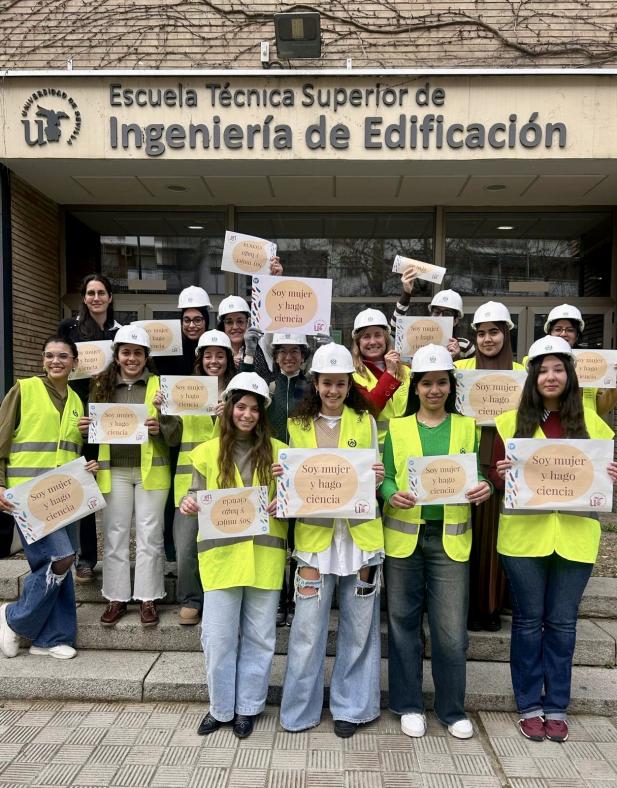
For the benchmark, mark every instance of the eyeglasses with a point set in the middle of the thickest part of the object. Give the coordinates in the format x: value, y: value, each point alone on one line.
x: 563, y: 330
x: 293, y: 352
x: 438, y: 312
x: 239, y: 321
x: 99, y: 293
x: 64, y: 357
x: 196, y: 321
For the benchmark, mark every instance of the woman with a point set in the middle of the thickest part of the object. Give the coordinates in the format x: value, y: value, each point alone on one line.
x: 378, y: 371
x: 427, y: 551
x: 488, y: 588
x: 242, y: 576
x: 334, y: 415
x: 548, y: 555
x: 193, y: 303
x: 38, y: 412
x: 94, y: 322
x: 135, y: 480
x: 566, y: 321
x: 214, y: 358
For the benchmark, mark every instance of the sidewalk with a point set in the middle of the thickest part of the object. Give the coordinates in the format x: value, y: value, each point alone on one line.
x: 49, y: 743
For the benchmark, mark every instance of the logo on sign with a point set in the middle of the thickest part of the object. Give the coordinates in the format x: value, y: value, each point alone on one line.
x: 50, y: 116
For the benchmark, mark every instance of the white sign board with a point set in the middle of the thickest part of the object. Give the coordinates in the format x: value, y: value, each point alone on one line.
x: 285, y: 303
x: 238, y: 511
x: 443, y: 478
x: 196, y: 395
x: 117, y: 423
x: 247, y: 254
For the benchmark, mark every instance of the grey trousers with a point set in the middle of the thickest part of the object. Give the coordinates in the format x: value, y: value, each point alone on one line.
x: 188, y: 592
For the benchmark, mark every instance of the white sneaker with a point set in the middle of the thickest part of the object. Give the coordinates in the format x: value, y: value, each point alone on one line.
x: 413, y: 725
x: 9, y: 640
x: 63, y: 651
x: 461, y: 729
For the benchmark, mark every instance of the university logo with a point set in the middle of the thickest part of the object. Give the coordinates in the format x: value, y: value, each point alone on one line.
x: 50, y: 116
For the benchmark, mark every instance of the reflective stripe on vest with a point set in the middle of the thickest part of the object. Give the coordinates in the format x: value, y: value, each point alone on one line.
x: 401, y: 526
x: 195, y: 431
x: 44, y: 439
x: 255, y: 561
x: 394, y: 407
x: 154, y: 454
x: 574, y: 535
x: 314, y: 534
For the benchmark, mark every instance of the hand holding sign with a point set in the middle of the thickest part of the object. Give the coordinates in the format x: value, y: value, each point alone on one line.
x: 426, y: 271
x: 247, y: 254
x: 238, y: 511
x: 413, y: 333
x: 483, y: 394
x: 294, y: 303
x: 195, y: 395
x: 558, y: 474
x: 117, y: 423
x: 442, y: 479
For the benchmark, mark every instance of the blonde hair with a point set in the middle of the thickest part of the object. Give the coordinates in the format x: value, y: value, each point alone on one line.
x: 358, y: 361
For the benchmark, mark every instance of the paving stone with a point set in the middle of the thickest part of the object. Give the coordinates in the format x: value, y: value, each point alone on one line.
x: 87, y: 735
x: 19, y: 772
x: 154, y: 736
x: 10, y: 573
x: 134, y: 775
x: 171, y: 776
x: 38, y: 753
x: 179, y: 756
x: 96, y: 774
x: 247, y: 778
x: 442, y: 781
x: 396, y: 780
x: 73, y: 753
x: 324, y: 780
x: 358, y: 779
x: 249, y: 758
x: 288, y: 759
x: 222, y: 757
x: 93, y: 674
x: 110, y: 753
x: 398, y: 761
x: 436, y: 763
x: 325, y: 760
x: 57, y: 774
x: 286, y: 779
x: 206, y: 777
x: 146, y: 754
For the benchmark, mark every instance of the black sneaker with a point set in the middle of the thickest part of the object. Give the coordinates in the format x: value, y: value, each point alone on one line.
x: 243, y: 726
x: 291, y: 609
x: 281, y: 615
x: 344, y: 729
x: 209, y: 724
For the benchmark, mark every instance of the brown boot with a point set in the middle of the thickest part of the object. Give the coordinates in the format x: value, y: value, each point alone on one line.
x: 113, y: 613
x: 149, y: 616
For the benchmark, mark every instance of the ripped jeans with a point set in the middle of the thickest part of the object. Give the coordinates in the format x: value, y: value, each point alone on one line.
x: 45, y: 611
x: 354, y: 686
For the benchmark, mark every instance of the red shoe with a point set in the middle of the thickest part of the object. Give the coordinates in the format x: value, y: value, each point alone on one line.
x: 533, y: 728
x: 556, y: 730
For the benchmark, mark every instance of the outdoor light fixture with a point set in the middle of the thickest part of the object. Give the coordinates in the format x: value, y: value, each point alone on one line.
x: 495, y: 187
x: 298, y: 34
x: 506, y: 227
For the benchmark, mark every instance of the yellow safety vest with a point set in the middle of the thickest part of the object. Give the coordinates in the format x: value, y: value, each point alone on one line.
x: 470, y: 363
x: 395, y: 406
x: 589, y: 395
x: 534, y: 532
x: 155, y: 473
x: 256, y: 561
x: 195, y: 430
x: 314, y: 534
x: 43, y: 439
x: 401, y: 526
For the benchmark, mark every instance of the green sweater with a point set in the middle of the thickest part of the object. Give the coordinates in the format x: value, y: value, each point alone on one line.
x: 434, y: 440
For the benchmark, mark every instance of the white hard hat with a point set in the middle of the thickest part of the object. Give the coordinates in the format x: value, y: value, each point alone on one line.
x: 288, y: 338
x: 564, y: 312
x: 233, y: 304
x: 492, y: 312
x: 250, y: 382
x: 213, y: 339
x: 193, y: 297
x: 431, y: 358
x: 132, y: 335
x: 369, y: 317
x: 332, y: 358
x: 448, y: 299
x: 548, y: 345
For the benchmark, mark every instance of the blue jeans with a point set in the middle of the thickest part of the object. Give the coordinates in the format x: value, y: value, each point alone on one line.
x: 354, y: 686
x: 45, y: 612
x: 427, y: 573
x: 238, y: 632
x: 546, y: 593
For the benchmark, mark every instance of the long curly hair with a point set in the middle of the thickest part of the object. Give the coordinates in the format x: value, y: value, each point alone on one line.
x: 103, y: 386
x: 230, y: 371
x: 530, y: 413
x: 358, y: 360
x: 261, y: 449
x: 413, y: 400
x: 310, y: 406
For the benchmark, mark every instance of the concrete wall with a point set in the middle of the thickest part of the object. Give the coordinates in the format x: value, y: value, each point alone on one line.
x: 35, y: 228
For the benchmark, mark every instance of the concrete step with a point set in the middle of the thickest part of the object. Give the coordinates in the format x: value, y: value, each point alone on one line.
x: 596, y: 640
x: 179, y: 676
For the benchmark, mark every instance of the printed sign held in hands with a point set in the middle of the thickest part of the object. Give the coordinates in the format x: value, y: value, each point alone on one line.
x: 326, y: 483
x: 426, y: 271
x: 483, y: 395
x: 561, y: 474
x: 92, y: 359
x: 596, y: 368
x: 237, y: 511
x: 117, y: 423
x: 442, y: 479
x: 165, y: 336
x: 247, y: 254
x: 196, y: 395
x: 413, y: 333
x: 55, y: 499
x: 292, y: 303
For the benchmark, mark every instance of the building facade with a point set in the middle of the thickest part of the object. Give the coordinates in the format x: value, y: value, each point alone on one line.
x: 479, y: 139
